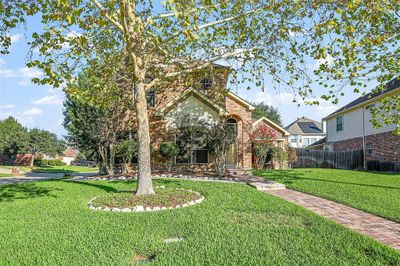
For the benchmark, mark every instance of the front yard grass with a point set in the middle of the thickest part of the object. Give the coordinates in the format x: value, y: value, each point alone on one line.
x: 5, y: 175
x: 64, y: 169
x: 53, y: 169
x: 48, y: 223
x: 377, y: 193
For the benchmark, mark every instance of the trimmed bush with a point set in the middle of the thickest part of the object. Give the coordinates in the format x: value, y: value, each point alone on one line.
x: 44, y: 162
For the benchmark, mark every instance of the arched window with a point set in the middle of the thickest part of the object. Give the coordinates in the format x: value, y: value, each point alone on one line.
x: 205, y: 84
x: 233, y: 123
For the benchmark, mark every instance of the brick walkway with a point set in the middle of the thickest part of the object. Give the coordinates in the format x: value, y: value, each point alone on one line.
x: 384, y: 231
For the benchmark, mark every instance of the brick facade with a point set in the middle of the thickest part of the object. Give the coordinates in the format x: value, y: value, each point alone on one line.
x: 242, y: 115
x: 385, y: 147
x: 218, y: 94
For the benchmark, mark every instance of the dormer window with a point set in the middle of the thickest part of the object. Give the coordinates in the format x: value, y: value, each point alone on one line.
x: 205, y: 84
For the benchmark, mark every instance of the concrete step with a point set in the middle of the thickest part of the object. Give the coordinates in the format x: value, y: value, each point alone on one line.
x: 266, y: 185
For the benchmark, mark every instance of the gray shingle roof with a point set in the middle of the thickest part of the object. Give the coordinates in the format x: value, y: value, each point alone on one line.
x: 391, y: 85
x: 305, y: 126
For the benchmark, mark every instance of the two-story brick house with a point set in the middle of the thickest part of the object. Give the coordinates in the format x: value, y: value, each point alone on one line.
x: 349, y: 128
x: 208, y: 98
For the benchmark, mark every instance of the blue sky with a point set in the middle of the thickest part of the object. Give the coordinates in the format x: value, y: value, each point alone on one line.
x: 41, y: 106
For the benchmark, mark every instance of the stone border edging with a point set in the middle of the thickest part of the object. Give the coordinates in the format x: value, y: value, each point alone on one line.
x: 140, y: 208
x: 177, y: 176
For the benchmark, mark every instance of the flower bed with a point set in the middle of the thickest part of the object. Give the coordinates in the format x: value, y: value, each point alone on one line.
x: 165, y: 198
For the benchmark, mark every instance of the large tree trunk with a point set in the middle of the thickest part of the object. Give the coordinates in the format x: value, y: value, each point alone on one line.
x: 145, y: 184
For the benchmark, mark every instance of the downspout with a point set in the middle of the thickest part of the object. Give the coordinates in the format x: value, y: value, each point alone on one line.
x: 363, y: 132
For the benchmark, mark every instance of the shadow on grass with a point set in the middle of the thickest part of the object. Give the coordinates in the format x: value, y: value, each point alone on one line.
x: 95, y: 185
x: 49, y: 170
x: 289, y: 177
x: 114, y: 190
x: 9, y: 193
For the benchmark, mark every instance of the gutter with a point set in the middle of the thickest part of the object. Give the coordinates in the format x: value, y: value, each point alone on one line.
x: 367, y: 102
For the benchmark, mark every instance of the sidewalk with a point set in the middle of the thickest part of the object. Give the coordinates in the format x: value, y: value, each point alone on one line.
x: 382, y: 230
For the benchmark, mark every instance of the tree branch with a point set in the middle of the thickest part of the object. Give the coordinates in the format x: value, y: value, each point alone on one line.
x: 108, y: 17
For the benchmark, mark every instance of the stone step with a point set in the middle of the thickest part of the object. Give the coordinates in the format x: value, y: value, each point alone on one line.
x: 266, y: 185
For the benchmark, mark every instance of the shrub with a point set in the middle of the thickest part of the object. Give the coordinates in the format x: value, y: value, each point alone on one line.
x: 169, y: 150
x: 44, y: 162
x: 279, y: 155
x: 261, y: 151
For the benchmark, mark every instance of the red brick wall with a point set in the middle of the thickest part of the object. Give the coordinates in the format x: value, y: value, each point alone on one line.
x: 348, y: 145
x: 385, y: 146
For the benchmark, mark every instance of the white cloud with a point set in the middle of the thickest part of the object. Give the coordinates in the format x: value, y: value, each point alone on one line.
x: 328, y: 60
x: 15, y: 38
x: 26, y: 117
x: 326, y: 108
x: 7, y: 106
x: 295, y: 33
x: 25, y: 74
x: 32, y: 112
x: 275, y: 99
x: 48, y: 100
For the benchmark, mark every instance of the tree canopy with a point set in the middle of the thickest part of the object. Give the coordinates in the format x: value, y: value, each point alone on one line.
x: 269, y: 111
x: 13, y: 136
x: 14, y: 139
x: 353, y: 41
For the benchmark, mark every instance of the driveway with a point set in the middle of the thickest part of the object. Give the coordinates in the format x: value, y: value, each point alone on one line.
x: 29, y: 177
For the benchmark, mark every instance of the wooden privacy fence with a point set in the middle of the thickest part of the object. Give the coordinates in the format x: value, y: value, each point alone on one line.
x: 329, y: 159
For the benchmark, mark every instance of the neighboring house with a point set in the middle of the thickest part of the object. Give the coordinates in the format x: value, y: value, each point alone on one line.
x: 304, y: 132
x: 349, y: 128
x: 68, y: 156
x: 208, y: 99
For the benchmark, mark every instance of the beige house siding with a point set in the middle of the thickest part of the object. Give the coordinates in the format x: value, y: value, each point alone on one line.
x: 194, y: 107
x: 353, y: 125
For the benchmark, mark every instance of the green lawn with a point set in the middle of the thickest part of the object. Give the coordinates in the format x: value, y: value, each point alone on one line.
x: 377, y: 193
x: 54, y: 169
x: 63, y: 169
x: 5, y: 175
x: 48, y: 223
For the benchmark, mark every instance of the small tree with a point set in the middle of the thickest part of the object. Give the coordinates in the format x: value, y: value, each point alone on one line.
x: 169, y: 150
x: 219, y: 138
x: 126, y: 150
x: 279, y: 155
x: 261, y: 151
x: 43, y: 141
x: 262, y: 138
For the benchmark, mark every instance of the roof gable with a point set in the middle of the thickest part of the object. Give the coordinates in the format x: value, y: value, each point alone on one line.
x: 274, y: 125
x: 191, y: 93
x: 241, y: 101
x: 304, y: 126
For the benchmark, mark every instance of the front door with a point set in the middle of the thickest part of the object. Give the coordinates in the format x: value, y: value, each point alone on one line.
x: 231, y: 156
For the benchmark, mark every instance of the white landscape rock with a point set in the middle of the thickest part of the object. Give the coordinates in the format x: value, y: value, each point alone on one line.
x: 156, y: 208
x: 106, y: 209
x: 139, y: 208
x: 126, y: 210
